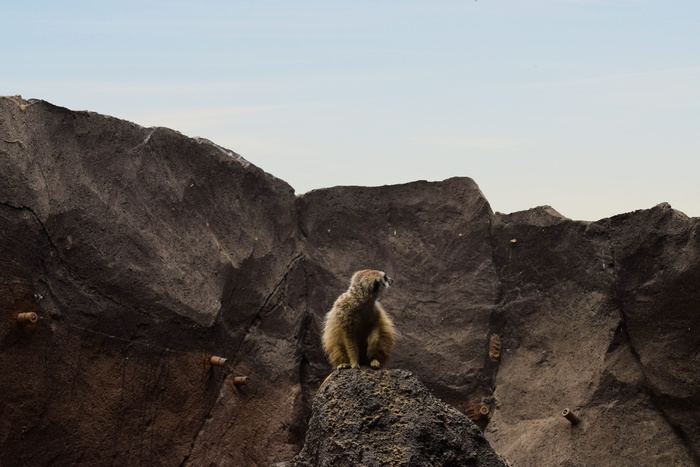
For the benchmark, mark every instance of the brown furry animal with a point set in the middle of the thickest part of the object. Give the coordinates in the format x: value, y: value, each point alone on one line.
x: 358, y: 330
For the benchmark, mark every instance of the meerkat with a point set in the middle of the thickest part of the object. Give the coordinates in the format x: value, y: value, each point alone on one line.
x: 357, y: 329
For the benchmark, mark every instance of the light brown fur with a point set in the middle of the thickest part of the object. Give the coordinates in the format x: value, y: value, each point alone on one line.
x: 358, y: 330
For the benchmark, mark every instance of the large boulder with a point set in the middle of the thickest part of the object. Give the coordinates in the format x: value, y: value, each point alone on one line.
x: 434, y: 240
x: 143, y: 252
x: 388, y: 418
x: 570, y: 291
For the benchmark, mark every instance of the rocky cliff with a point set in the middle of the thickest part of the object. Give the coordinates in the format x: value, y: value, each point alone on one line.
x: 143, y: 253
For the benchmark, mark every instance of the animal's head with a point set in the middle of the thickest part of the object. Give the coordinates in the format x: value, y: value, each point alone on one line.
x: 371, y: 282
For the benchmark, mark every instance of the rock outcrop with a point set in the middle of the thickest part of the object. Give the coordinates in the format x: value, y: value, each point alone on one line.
x: 144, y: 252
x: 388, y: 418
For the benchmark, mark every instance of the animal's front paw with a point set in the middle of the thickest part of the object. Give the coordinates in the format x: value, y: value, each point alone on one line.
x: 375, y: 364
x: 343, y: 366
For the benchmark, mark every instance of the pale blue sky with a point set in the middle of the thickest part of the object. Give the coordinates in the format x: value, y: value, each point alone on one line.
x: 591, y: 106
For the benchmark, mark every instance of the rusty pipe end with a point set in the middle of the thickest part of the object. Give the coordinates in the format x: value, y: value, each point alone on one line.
x: 240, y: 380
x: 217, y: 361
x: 484, y: 410
x: 570, y: 416
x: 27, y: 318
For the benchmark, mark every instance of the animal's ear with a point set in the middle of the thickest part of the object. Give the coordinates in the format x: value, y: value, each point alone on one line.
x: 377, y: 284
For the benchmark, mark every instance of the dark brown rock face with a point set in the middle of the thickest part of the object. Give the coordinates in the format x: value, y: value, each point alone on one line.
x: 573, y: 294
x: 388, y: 418
x: 144, y: 252
x: 433, y: 236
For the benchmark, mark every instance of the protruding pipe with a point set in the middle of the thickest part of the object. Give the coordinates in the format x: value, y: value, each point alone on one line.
x: 218, y: 361
x: 27, y: 318
x: 484, y: 410
x: 240, y: 380
x: 570, y: 416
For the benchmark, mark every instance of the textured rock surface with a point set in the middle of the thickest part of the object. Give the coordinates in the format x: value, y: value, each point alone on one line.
x: 433, y: 239
x: 143, y: 252
x: 565, y: 316
x: 388, y: 418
